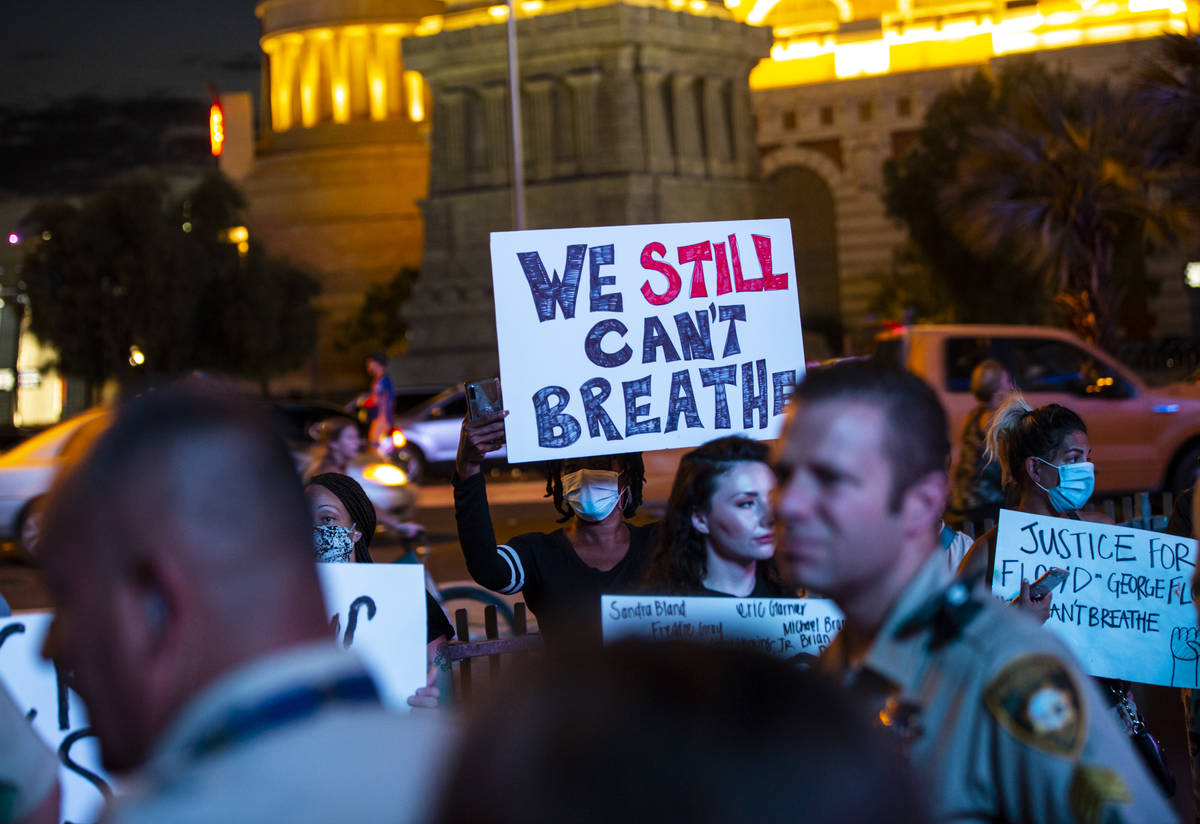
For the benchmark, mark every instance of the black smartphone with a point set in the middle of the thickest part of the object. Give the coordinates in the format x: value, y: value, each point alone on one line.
x: 1049, y: 582
x: 483, y: 398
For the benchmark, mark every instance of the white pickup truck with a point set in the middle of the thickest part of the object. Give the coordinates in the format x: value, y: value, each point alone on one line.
x: 1142, y: 437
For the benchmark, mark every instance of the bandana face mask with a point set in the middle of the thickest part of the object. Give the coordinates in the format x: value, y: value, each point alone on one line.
x: 333, y: 544
x: 592, y: 493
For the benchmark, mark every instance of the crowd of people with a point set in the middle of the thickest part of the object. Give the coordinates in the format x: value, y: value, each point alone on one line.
x: 179, y: 552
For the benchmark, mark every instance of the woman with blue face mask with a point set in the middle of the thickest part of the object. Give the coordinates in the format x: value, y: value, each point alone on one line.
x: 1046, y: 469
x: 563, y: 573
x: 1046, y: 465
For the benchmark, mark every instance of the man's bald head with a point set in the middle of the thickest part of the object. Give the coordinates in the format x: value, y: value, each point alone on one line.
x: 177, y: 549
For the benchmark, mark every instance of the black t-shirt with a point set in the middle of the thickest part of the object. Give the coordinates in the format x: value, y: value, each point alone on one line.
x: 559, y: 587
x: 438, y: 626
x: 764, y: 587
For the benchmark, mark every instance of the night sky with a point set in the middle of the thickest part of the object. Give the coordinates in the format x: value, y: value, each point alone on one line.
x: 51, y: 49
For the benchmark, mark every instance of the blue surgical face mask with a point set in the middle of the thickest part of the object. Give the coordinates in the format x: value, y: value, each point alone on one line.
x: 334, y: 544
x: 1075, y: 485
x: 592, y: 493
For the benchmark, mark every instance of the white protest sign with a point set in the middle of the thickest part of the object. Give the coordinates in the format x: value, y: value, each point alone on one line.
x: 780, y: 626
x: 378, y: 612
x: 632, y: 338
x: 1125, y: 609
x: 375, y: 610
x: 58, y: 715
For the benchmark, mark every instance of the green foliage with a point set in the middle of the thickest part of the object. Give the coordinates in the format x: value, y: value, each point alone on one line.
x: 1062, y: 183
x: 910, y: 293
x: 379, y: 324
x: 119, y: 270
x: 981, y: 286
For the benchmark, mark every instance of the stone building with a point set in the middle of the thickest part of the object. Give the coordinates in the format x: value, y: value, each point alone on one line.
x: 631, y: 114
x: 659, y: 110
x: 342, y: 157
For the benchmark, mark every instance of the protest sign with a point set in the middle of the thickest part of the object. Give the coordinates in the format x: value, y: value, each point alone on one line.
x: 1125, y: 608
x: 56, y: 713
x: 631, y: 338
x: 376, y: 610
x: 781, y: 626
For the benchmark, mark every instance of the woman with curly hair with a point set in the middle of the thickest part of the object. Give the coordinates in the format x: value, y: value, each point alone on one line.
x: 718, y: 536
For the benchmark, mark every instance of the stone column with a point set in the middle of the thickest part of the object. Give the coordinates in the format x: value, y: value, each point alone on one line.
x: 539, y: 143
x: 583, y: 87
x: 660, y: 153
x: 718, y: 152
x: 495, y: 106
x: 689, y: 139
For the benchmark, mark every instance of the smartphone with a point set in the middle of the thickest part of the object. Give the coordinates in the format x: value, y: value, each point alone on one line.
x: 483, y: 398
x: 1050, y: 581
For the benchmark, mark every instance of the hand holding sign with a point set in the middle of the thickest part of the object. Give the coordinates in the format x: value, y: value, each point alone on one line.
x: 1185, y: 656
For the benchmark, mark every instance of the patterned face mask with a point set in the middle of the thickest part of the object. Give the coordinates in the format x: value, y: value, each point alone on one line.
x: 333, y: 544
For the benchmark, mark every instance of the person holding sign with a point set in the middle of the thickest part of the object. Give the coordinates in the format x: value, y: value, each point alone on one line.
x: 993, y: 711
x: 1044, y: 453
x: 562, y: 573
x: 343, y: 525
x: 718, y: 537
x: 188, y: 609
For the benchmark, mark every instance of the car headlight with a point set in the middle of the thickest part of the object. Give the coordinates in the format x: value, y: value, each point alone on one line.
x: 386, y: 474
x: 398, y: 439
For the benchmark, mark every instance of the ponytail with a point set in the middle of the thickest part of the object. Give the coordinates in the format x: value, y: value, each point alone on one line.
x: 999, y: 437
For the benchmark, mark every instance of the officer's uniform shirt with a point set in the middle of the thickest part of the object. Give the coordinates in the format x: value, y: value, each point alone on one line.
x: 255, y: 747
x: 28, y: 769
x: 994, y: 713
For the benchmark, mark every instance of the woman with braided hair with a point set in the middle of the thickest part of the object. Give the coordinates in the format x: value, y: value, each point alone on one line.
x: 343, y: 525
x: 562, y: 574
x: 718, y: 537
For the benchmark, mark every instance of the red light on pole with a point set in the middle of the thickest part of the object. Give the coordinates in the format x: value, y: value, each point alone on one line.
x: 216, y: 129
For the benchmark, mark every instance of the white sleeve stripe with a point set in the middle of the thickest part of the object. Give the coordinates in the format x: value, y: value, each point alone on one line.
x: 514, y: 562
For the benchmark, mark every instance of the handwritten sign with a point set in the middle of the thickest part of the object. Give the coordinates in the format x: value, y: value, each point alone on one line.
x: 629, y: 338
x: 1125, y: 609
x: 376, y: 610
x: 56, y: 712
x: 782, y: 626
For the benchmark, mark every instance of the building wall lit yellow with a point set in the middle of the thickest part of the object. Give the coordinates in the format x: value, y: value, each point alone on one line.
x: 337, y: 74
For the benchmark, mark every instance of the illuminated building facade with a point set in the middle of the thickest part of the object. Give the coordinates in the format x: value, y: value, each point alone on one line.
x: 632, y: 114
x: 342, y: 157
x: 634, y: 111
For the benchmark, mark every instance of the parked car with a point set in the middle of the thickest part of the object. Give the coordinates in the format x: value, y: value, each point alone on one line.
x: 430, y: 432
x: 1142, y: 437
x: 28, y: 470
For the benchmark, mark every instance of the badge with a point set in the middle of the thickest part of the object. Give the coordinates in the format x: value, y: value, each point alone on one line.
x: 1037, y: 701
x: 1092, y: 789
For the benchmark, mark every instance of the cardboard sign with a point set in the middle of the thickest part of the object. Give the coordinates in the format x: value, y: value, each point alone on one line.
x: 1125, y: 609
x: 786, y: 627
x: 631, y: 338
x: 376, y: 610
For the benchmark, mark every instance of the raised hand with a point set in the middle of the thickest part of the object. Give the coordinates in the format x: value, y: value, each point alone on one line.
x: 479, y: 437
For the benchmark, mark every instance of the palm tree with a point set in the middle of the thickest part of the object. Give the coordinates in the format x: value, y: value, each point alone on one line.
x: 1062, y: 183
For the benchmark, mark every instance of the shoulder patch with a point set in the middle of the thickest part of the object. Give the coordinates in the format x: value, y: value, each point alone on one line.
x: 1037, y: 701
x: 1093, y: 789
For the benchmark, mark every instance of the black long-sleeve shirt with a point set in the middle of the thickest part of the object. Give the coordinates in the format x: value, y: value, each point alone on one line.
x: 559, y: 587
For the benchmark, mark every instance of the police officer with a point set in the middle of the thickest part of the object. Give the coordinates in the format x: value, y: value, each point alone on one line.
x: 993, y: 711
x: 179, y: 553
